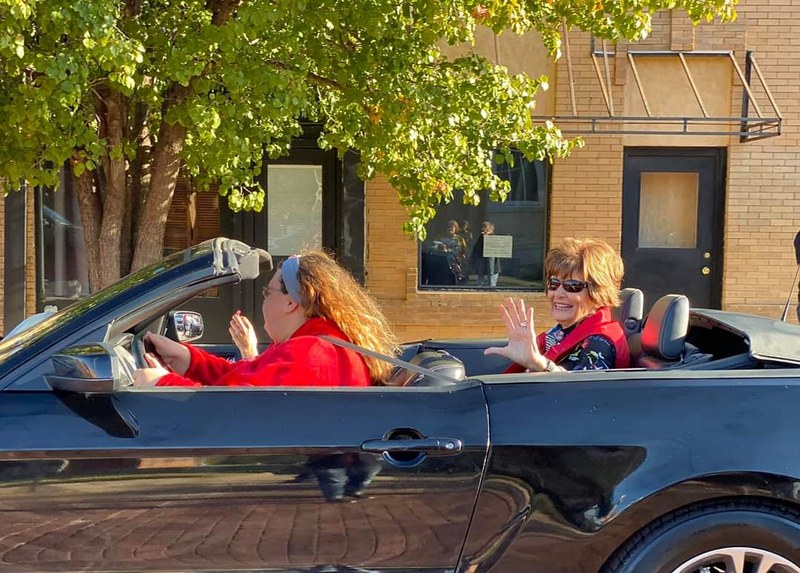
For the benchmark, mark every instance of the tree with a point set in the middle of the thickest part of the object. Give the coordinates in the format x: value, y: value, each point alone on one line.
x: 130, y: 91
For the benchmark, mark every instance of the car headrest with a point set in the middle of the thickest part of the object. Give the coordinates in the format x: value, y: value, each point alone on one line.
x: 438, y: 361
x: 664, y: 331
x: 630, y: 311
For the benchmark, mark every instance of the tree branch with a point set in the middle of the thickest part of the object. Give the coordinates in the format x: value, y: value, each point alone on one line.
x: 133, y: 8
x: 315, y: 78
x: 221, y: 10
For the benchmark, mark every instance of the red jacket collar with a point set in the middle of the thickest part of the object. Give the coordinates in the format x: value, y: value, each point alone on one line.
x: 600, y: 322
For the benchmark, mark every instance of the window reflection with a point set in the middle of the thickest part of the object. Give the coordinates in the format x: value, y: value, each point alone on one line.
x: 491, y: 245
x: 63, y: 271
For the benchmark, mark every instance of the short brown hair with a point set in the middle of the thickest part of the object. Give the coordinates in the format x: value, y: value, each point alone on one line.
x: 595, y: 261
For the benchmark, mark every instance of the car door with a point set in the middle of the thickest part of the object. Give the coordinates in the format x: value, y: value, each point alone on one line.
x: 240, y: 478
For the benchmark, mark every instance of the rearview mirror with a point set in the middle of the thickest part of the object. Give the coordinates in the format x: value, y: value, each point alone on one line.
x: 86, y: 368
x: 184, y: 325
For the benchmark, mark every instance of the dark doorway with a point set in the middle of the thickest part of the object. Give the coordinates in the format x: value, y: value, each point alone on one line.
x: 314, y: 200
x: 672, y: 222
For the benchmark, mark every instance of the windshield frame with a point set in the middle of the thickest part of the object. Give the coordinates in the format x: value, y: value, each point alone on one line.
x: 204, y: 259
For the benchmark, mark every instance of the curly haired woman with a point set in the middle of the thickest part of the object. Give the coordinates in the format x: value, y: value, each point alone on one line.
x: 309, y: 296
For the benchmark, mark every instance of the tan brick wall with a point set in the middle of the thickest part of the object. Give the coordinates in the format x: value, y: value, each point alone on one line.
x: 762, y: 198
x: 763, y: 207
x: 586, y: 188
x: 588, y: 178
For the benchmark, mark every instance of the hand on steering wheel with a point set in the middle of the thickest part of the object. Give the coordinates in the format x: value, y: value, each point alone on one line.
x: 150, y: 375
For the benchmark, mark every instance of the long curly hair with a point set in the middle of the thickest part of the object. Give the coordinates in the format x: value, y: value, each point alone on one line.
x: 329, y: 291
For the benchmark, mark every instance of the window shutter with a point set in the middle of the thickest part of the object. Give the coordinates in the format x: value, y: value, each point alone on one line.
x: 176, y: 235
x: 206, y: 219
x: 193, y: 217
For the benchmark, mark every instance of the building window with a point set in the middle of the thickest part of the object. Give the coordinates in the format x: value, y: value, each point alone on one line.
x: 294, y: 208
x: 63, y: 275
x: 491, y: 245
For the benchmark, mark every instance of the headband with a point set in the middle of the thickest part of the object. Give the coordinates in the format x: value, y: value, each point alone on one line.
x: 289, y: 270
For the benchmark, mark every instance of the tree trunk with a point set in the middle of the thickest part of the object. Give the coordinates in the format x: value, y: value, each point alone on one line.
x: 91, y: 210
x: 163, y: 177
x: 166, y: 161
x: 114, y: 204
x: 138, y: 182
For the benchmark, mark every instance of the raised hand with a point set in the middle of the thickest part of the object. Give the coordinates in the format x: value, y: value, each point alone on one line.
x: 522, y: 347
x: 244, y: 336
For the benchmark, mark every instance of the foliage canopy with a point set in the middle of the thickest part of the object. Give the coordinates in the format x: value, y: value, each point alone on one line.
x: 127, y: 90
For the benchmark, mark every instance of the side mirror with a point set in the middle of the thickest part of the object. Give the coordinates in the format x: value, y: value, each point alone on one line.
x: 86, y: 368
x: 184, y: 325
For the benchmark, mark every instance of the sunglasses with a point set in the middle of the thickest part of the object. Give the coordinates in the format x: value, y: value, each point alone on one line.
x: 570, y: 285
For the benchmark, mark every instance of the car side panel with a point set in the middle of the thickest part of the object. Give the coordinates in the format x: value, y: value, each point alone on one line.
x: 575, y: 468
x: 235, y: 479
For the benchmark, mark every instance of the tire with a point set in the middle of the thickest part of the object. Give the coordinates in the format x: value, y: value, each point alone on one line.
x: 731, y: 536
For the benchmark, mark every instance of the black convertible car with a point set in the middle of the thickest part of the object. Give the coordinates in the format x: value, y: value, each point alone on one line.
x: 687, y: 463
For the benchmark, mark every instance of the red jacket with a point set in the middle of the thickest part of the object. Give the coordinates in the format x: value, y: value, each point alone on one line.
x: 303, y: 360
x: 598, y: 323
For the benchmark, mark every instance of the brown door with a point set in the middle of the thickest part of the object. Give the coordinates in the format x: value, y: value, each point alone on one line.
x: 672, y: 222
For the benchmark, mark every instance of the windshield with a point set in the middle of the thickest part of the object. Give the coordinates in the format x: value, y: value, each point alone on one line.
x: 11, y: 345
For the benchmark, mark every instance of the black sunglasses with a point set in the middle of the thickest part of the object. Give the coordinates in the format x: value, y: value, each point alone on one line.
x: 570, y: 285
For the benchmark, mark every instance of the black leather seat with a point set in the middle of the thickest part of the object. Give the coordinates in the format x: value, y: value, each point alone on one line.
x: 661, y: 342
x: 630, y: 311
x: 438, y: 361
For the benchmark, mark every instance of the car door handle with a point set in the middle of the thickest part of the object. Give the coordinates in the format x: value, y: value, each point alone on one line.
x: 429, y: 446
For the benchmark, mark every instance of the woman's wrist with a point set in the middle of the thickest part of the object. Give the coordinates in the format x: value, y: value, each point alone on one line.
x: 538, y: 363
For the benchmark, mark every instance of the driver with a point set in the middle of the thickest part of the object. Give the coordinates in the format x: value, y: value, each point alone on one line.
x: 310, y: 295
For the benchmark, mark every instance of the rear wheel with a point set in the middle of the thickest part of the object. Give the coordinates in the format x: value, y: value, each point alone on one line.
x: 720, y: 537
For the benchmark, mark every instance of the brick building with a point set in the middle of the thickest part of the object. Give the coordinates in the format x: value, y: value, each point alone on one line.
x: 731, y: 194
x: 712, y: 213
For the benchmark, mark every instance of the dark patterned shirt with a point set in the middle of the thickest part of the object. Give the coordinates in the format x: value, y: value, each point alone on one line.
x: 596, y: 352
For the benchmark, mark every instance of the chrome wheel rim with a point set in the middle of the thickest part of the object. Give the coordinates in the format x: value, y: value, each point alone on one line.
x: 738, y: 560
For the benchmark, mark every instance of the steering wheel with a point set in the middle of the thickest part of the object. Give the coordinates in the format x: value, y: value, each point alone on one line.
x: 138, y: 350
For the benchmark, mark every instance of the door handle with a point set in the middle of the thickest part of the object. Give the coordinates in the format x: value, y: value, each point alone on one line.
x: 428, y: 446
